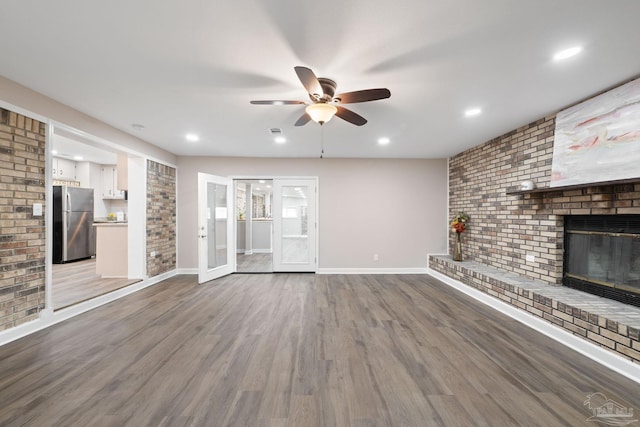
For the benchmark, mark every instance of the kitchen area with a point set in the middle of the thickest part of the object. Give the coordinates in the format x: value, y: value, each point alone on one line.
x: 90, y: 221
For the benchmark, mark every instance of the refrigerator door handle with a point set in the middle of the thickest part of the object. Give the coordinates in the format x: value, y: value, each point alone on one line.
x: 68, y: 210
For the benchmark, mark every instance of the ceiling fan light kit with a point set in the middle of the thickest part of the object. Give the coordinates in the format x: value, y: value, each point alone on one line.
x: 324, y: 105
x: 321, y: 113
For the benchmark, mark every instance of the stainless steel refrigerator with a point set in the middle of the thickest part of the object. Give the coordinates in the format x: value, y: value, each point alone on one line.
x: 73, y: 234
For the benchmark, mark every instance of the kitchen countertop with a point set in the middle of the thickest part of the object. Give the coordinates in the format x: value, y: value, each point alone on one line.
x: 101, y: 220
x: 108, y: 223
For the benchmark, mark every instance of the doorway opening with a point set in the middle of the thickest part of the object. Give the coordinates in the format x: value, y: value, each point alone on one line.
x: 90, y: 208
x: 254, y: 225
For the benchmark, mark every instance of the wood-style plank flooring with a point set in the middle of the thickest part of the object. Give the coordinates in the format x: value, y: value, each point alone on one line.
x: 299, y: 350
x: 77, y: 281
x: 254, y: 263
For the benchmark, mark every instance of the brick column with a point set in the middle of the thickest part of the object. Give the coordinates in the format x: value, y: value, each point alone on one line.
x: 22, y: 236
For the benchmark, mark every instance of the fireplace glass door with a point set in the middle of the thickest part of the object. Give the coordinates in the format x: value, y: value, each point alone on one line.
x: 602, y: 255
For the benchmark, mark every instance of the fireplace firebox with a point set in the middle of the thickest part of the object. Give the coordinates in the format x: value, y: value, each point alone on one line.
x: 602, y: 256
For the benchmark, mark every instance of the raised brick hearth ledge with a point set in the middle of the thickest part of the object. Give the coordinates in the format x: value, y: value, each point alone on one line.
x: 607, y: 323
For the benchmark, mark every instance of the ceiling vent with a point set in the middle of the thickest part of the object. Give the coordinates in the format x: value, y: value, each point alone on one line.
x: 275, y: 131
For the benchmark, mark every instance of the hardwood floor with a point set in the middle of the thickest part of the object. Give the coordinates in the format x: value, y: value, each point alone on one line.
x: 254, y: 263
x: 75, y: 282
x: 299, y: 350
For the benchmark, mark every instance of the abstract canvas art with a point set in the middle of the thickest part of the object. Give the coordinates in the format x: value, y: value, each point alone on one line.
x: 599, y: 139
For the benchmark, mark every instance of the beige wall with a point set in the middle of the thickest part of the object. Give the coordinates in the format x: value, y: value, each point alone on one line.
x: 395, y: 208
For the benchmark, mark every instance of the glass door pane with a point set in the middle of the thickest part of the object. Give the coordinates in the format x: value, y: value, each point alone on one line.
x: 217, y: 224
x: 215, y: 229
x: 294, y: 224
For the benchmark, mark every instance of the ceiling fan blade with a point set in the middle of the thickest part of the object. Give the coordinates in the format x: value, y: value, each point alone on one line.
x: 363, y: 95
x: 309, y: 80
x: 350, y: 116
x: 275, y: 102
x: 303, y: 120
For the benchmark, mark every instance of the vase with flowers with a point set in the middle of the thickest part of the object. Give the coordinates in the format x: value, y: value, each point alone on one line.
x: 459, y: 225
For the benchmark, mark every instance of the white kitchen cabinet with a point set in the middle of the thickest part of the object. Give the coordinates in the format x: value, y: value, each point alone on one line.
x: 110, y: 183
x: 63, y: 169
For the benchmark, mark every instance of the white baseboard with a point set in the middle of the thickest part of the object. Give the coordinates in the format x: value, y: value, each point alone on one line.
x: 48, y: 317
x: 187, y: 271
x: 372, y: 271
x: 605, y: 357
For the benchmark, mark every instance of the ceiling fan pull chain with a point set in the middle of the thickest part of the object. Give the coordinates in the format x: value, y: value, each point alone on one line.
x: 321, y: 141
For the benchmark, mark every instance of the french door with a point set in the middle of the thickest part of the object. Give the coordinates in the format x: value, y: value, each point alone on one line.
x: 216, y: 242
x: 294, y: 225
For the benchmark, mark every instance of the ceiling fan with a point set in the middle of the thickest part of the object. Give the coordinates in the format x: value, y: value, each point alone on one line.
x: 324, y: 103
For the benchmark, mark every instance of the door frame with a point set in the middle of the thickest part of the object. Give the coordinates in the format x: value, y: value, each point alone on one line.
x: 292, y: 177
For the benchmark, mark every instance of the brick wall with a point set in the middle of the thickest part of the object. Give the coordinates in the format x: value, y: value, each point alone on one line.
x: 161, y: 218
x: 22, y: 236
x: 505, y: 228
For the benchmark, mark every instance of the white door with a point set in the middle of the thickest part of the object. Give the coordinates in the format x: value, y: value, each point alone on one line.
x: 216, y: 245
x: 294, y: 225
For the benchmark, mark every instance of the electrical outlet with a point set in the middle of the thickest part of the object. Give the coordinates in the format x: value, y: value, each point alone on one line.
x: 375, y: 257
x: 530, y: 258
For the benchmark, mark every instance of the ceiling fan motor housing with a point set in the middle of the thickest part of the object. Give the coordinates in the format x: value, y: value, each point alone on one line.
x: 328, y: 89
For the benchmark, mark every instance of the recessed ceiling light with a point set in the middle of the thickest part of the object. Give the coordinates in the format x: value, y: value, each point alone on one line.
x: 54, y: 151
x: 280, y: 139
x: 258, y: 188
x: 192, y: 137
x: 567, y: 53
x: 137, y: 126
x: 384, y: 141
x: 77, y: 157
x: 472, y: 112
x: 261, y: 181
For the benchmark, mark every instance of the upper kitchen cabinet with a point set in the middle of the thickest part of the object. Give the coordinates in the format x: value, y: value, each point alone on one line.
x: 110, y: 183
x: 89, y: 175
x: 63, y: 169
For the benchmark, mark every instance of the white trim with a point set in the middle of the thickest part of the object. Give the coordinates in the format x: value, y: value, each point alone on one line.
x: 605, y: 357
x: 187, y: 271
x: 48, y: 223
x: 50, y: 318
x: 417, y: 270
x: 262, y: 251
x: 446, y: 213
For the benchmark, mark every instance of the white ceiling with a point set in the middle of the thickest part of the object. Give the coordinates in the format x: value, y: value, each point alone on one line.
x: 193, y: 66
